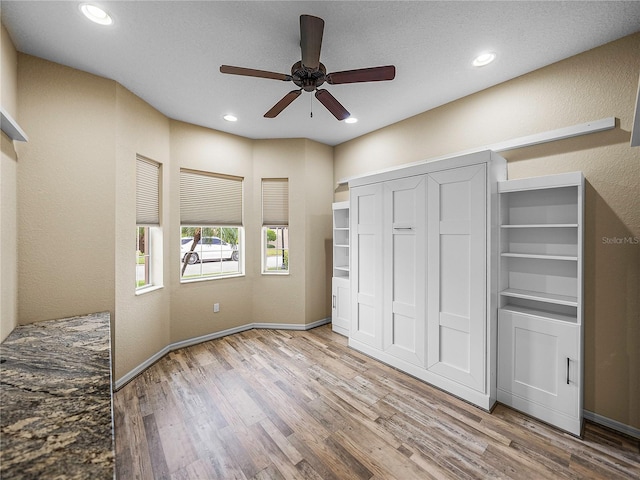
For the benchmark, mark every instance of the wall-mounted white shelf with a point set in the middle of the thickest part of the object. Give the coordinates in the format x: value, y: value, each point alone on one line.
x: 587, y: 128
x: 11, y: 127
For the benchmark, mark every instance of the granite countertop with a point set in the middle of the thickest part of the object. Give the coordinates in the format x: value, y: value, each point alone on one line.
x: 55, y: 400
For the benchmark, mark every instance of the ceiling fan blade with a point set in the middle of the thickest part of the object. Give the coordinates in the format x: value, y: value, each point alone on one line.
x: 311, y: 29
x: 332, y: 104
x: 373, y: 74
x: 283, y: 103
x: 250, y: 72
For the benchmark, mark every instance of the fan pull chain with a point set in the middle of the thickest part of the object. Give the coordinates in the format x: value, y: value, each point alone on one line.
x: 311, y: 106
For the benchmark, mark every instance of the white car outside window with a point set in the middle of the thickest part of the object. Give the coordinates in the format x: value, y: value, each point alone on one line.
x: 208, y: 248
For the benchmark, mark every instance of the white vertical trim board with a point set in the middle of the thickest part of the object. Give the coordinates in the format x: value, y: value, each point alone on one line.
x: 121, y: 382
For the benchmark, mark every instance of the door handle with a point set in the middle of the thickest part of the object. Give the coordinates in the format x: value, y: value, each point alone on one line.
x: 567, y: 370
x: 333, y: 302
x: 403, y: 228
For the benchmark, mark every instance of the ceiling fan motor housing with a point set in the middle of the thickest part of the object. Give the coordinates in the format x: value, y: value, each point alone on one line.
x: 308, y: 78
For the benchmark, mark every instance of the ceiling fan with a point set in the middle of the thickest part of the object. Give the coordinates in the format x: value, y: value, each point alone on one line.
x: 309, y: 73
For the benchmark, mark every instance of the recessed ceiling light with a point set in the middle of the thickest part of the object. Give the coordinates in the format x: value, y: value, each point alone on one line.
x: 484, y: 59
x: 96, y: 14
x: 350, y: 120
x: 230, y: 118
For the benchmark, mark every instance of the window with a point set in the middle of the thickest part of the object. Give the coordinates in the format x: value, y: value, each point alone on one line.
x: 275, y: 225
x: 143, y: 264
x: 211, y: 234
x: 148, y: 233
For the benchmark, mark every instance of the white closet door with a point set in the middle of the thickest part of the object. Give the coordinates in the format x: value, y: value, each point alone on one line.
x: 456, y: 300
x: 366, y: 264
x: 404, y: 263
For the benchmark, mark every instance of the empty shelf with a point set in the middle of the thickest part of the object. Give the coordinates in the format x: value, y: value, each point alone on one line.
x: 541, y: 297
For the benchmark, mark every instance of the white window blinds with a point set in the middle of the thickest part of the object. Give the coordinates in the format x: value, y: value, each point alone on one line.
x: 210, y: 199
x: 147, y: 192
x: 275, y: 201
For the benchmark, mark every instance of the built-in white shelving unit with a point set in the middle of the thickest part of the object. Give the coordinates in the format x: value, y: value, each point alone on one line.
x: 340, y: 286
x: 540, y: 326
x: 341, y: 239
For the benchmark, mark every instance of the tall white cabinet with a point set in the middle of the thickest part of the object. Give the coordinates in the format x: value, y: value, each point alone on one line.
x: 340, y: 287
x: 540, y: 320
x: 424, y: 244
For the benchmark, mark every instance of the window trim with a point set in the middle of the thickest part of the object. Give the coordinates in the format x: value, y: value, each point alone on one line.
x: 274, y: 198
x: 263, y: 253
x: 241, y: 261
x: 148, y: 216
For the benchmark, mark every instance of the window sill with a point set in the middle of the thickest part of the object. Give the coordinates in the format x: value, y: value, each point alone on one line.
x: 276, y: 274
x: 206, y: 279
x: 148, y: 289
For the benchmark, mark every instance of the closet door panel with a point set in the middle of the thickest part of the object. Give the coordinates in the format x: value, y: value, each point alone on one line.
x: 404, y: 220
x: 539, y: 364
x: 456, y: 226
x: 366, y: 264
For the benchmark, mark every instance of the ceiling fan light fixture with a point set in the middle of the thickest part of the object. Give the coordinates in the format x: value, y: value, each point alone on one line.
x: 351, y: 120
x: 96, y: 14
x: 484, y: 59
x: 230, y: 118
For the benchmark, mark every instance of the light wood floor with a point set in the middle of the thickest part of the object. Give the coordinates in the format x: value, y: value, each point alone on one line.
x: 273, y: 404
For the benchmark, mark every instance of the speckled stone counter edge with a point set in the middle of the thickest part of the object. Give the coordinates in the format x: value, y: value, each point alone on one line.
x: 56, y: 400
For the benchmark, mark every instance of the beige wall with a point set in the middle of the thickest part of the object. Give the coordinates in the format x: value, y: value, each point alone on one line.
x: 8, y: 195
x: 66, y: 192
x: 76, y: 215
x: 281, y: 298
x: 8, y: 74
x: 141, y: 322
x: 318, y: 230
x: 596, y: 84
x: 298, y: 298
x: 192, y: 303
x: 76, y: 197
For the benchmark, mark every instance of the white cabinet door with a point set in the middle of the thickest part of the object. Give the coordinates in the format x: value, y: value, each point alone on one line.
x: 404, y: 220
x: 340, y: 305
x: 539, y: 368
x: 457, y: 282
x: 366, y: 264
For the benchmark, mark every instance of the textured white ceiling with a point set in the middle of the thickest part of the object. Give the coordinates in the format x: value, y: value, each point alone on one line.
x: 169, y: 52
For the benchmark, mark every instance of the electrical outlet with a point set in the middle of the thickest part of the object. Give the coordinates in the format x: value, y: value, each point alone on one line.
x: 216, y: 307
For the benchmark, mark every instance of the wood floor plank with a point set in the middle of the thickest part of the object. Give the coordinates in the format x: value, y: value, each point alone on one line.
x: 128, y: 422
x: 158, y: 460
x: 275, y: 404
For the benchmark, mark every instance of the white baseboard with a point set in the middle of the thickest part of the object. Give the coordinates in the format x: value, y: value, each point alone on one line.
x: 612, y: 424
x: 121, y: 382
